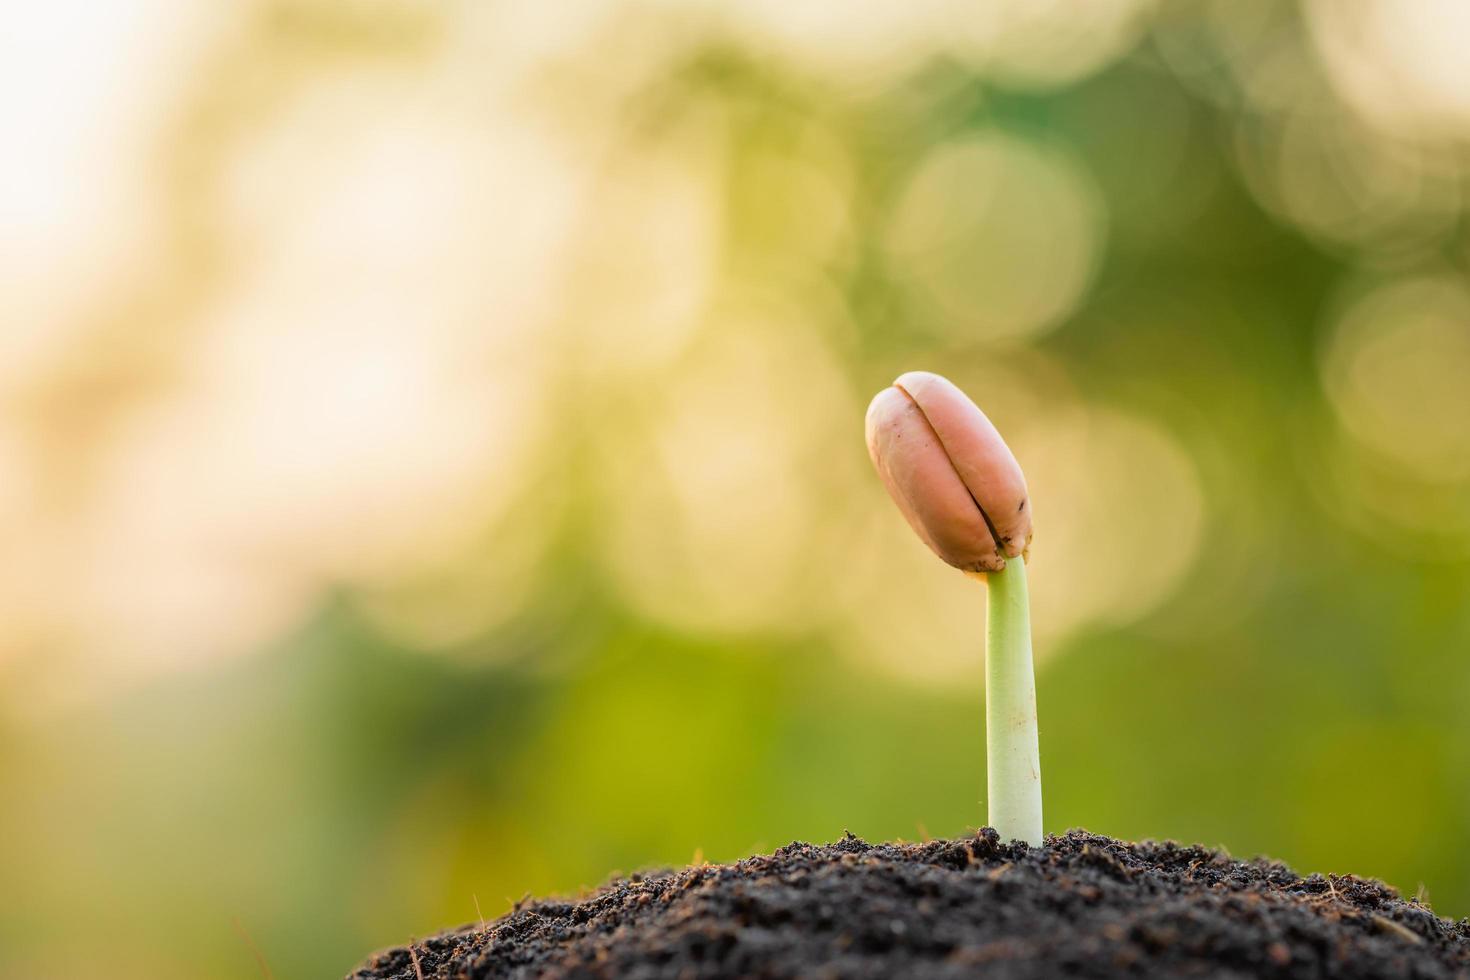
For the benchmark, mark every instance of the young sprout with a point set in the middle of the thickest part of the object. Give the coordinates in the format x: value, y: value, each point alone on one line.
x: 962, y: 492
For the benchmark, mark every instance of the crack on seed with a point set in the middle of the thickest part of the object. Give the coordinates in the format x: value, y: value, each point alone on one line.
x: 995, y: 537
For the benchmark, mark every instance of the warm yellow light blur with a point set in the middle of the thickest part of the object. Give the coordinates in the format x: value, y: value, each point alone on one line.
x: 999, y: 235
x: 1395, y: 369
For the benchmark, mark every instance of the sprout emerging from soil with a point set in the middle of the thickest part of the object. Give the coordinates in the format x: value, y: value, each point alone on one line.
x: 962, y: 492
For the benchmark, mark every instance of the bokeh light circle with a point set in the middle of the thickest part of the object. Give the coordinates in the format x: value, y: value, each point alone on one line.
x: 998, y: 235
x: 1402, y: 66
x: 1120, y: 515
x: 1395, y: 368
x: 715, y: 479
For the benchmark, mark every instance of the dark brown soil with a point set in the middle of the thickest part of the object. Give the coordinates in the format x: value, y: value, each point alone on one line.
x: 1081, y: 906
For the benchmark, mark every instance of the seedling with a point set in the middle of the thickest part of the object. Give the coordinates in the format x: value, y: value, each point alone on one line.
x: 962, y: 492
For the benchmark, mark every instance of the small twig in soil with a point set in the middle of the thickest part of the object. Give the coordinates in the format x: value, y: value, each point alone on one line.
x: 418, y: 971
x: 1390, y: 927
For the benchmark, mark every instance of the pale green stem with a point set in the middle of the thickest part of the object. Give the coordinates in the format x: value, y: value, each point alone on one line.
x: 1013, y: 758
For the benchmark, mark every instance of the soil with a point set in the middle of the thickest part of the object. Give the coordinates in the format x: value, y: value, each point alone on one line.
x: 1082, y: 905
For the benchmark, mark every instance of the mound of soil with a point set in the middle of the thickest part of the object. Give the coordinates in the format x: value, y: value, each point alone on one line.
x: 1080, y: 906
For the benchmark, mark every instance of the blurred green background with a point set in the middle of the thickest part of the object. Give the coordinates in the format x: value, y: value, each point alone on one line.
x: 431, y: 460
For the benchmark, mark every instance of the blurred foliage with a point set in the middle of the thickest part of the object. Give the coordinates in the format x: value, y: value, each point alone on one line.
x: 467, y: 498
